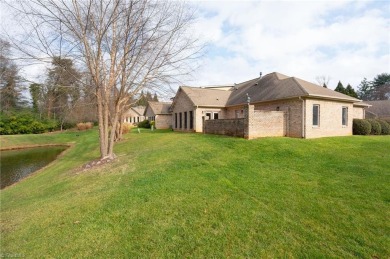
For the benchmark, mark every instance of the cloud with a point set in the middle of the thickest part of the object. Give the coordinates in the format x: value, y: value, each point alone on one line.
x: 345, y: 40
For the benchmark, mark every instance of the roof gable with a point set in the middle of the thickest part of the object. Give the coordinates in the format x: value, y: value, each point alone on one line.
x: 158, y: 107
x: 207, y: 97
x: 276, y: 86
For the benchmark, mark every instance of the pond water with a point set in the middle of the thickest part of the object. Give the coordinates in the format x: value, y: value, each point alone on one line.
x: 19, y: 163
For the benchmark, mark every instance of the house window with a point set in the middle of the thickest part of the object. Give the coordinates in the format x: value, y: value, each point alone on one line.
x: 208, y: 115
x: 185, y: 120
x: 316, y: 115
x: 237, y: 114
x: 176, y: 120
x: 180, y: 120
x: 215, y: 115
x: 137, y: 119
x: 344, y: 115
x: 191, y: 120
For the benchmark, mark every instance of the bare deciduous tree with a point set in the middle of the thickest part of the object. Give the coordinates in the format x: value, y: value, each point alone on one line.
x: 125, y: 45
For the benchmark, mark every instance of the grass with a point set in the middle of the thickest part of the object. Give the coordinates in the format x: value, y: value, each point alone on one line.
x: 192, y: 195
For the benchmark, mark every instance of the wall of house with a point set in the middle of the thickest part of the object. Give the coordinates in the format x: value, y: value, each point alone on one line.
x: 358, y: 113
x: 132, y: 117
x: 264, y: 123
x: 182, y: 104
x: 163, y: 121
x: 201, y: 113
x: 229, y: 127
x: 292, y: 107
x: 330, y: 119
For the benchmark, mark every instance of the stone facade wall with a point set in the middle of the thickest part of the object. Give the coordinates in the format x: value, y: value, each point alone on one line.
x: 229, y: 127
x: 265, y: 123
x: 163, y: 121
x: 330, y: 119
x: 182, y: 104
x: 358, y: 113
x: 292, y: 109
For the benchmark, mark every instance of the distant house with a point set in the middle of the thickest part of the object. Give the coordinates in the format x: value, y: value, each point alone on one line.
x: 134, y: 115
x: 378, y: 109
x: 159, y: 113
x: 272, y: 105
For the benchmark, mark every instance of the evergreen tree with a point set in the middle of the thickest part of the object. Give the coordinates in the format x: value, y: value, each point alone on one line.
x: 364, y: 90
x: 378, y: 89
x: 10, y: 90
x: 340, y: 88
x: 324, y: 86
x: 350, y: 91
x: 381, y: 87
x: 35, y: 92
x: 155, y: 97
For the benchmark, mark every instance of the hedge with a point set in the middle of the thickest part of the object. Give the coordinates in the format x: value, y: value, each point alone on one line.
x: 361, y: 127
x: 376, y: 128
x: 384, y: 126
x: 144, y: 124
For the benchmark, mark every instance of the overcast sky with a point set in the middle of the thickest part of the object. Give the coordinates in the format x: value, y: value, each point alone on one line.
x: 343, y: 40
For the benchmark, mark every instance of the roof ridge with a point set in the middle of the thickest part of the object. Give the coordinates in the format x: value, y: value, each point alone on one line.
x: 299, y: 85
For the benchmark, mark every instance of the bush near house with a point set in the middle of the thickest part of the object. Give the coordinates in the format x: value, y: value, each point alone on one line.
x: 385, y: 127
x: 361, y: 127
x: 375, y: 127
x: 126, y: 127
x: 144, y: 124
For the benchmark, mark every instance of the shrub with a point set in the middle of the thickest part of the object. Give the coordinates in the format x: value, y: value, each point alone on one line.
x: 81, y: 126
x: 384, y: 126
x: 361, y: 127
x: 375, y: 127
x: 89, y: 125
x: 144, y: 124
x: 126, y: 127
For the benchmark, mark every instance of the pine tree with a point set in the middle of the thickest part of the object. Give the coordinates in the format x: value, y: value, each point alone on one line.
x: 155, y: 97
x: 325, y: 86
x: 340, y: 88
x: 350, y: 91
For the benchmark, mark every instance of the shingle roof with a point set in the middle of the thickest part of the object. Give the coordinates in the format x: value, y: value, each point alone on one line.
x: 160, y: 107
x: 139, y: 110
x: 273, y: 86
x: 207, y: 97
x: 277, y: 86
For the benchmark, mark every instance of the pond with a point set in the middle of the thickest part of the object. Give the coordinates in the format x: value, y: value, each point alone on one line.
x: 19, y: 163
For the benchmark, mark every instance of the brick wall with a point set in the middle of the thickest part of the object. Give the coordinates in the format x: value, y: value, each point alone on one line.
x: 255, y: 124
x: 330, y: 119
x: 163, y: 121
x: 229, y: 127
x: 358, y: 113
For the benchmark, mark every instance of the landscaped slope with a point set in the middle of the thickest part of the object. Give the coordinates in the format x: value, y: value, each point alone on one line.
x: 191, y: 195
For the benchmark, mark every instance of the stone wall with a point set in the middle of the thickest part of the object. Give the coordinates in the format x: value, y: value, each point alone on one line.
x: 229, y: 127
x: 330, y: 119
x: 163, y: 121
x: 255, y: 124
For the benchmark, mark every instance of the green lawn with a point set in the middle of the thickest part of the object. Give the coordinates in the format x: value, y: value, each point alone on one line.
x: 191, y: 195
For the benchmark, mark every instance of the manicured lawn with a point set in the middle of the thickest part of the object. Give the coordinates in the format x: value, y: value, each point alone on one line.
x: 191, y: 195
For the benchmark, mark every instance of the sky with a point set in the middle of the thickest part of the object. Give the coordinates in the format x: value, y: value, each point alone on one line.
x: 338, y: 40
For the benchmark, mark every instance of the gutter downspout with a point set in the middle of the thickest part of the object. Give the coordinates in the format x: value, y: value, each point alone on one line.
x: 303, y: 117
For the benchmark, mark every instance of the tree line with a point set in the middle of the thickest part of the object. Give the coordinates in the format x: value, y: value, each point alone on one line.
x: 374, y: 90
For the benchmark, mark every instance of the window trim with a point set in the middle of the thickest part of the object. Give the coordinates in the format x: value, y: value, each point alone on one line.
x: 318, y: 116
x: 344, y: 108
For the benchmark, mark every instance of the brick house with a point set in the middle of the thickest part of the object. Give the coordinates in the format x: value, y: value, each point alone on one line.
x: 272, y: 105
x: 134, y: 114
x: 159, y: 113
